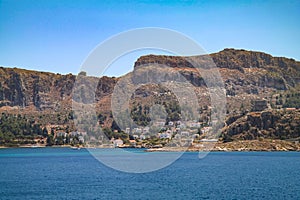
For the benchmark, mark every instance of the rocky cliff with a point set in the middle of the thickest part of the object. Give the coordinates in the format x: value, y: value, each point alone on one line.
x: 240, y: 68
x: 242, y: 71
x: 247, y: 75
x: 43, y: 90
x: 268, y: 124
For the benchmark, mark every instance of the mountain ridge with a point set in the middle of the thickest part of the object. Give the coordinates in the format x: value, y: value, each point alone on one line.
x: 247, y: 75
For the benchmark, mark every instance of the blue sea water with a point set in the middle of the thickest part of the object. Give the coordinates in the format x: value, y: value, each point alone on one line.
x: 63, y: 173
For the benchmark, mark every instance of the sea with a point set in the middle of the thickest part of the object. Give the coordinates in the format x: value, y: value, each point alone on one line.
x: 65, y: 173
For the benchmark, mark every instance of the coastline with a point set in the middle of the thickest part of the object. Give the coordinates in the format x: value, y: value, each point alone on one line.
x: 40, y: 146
x: 235, y: 146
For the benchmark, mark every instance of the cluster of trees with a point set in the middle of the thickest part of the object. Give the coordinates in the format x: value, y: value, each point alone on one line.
x: 111, y: 134
x: 141, y: 114
x: 292, y: 100
x: 18, y: 129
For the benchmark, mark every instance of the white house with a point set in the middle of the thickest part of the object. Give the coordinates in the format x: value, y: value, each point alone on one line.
x: 118, y: 142
x: 206, y: 129
x: 142, y: 137
x: 137, y: 130
x: 81, y: 139
x: 160, y: 123
x: 135, y: 136
x: 171, y: 123
x: 165, y: 135
x: 195, y: 124
x: 185, y: 133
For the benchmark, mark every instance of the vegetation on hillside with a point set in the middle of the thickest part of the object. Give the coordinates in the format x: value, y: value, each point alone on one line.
x: 18, y: 129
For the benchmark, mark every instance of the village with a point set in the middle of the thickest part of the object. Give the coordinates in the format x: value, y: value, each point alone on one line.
x: 176, y: 134
x: 156, y: 134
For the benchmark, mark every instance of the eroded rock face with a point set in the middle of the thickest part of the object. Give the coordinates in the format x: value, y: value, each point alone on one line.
x: 44, y: 90
x: 247, y: 75
x: 24, y: 88
x: 240, y: 67
x: 278, y: 124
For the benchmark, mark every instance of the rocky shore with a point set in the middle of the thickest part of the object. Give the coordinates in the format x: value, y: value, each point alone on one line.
x: 246, y: 145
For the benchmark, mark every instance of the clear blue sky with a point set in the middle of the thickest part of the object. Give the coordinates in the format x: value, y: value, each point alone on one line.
x: 58, y: 35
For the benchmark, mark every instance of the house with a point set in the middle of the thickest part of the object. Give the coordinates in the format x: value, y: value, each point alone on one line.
x: 206, y: 129
x: 171, y: 123
x: 195, y: 124
x: 118, y: 142
x: 135, y: 136
x: 185, y: 133
x: 142, y: 137
x: 127, y: 130
x: 165, y: 135
x: 132, y: 143
x: 74, y: 133
x: 81, y: 139
x: 160, y: 123
x: 137, y: 130
x: 61, y: 134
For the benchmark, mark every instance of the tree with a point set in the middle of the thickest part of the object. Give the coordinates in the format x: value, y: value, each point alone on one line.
x: 50, y: 140
x: 82, y: 73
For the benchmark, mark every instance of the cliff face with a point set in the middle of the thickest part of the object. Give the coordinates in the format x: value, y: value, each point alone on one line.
x: 240, y: 68
x: 271, y: 124
x: 43, y: 90
x: 247, y: 75
x: 243, y: 72
x: 276, y: 72
x: 26, y: 88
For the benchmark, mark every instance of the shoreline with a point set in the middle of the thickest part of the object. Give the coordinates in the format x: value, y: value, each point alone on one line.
x: 37, y: 146
x: 170, y: 150
x: 234, y: 146
x: 215, y: 150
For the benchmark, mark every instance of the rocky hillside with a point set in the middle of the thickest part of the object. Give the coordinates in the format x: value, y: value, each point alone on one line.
x: 241, y: 68
x: 247, y: 76
x: 268, y: 124
x: 244, y: 72
x: 43, y: 90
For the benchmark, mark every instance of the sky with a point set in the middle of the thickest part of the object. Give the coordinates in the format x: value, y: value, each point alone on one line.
x: 57, y: 36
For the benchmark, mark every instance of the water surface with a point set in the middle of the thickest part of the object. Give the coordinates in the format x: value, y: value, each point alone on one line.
x: 63, y: 173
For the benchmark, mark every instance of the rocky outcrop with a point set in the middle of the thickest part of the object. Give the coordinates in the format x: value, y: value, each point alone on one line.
x: 44, y: 90
x: 239, y: 67
x: 278, y: 124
